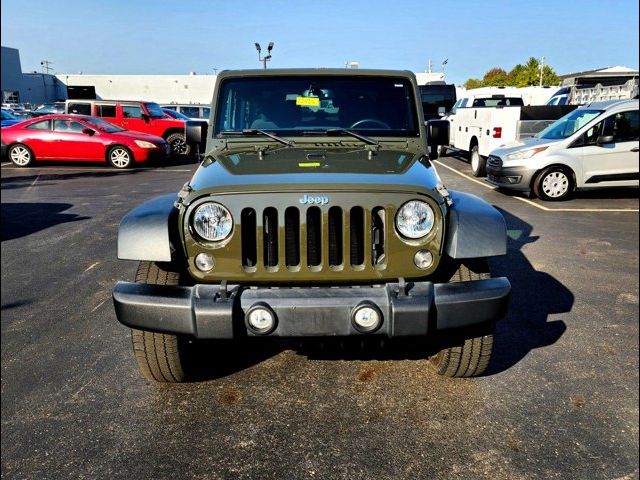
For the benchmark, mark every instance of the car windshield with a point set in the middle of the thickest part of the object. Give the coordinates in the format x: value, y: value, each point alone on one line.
x: 304, y: 104
x: 6, y: 115
x: 174, y: 114
x: 154, y: 110
x: 103, y: 125
x: 569, y: 124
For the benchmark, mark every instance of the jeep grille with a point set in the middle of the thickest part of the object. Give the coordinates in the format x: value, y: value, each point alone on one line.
x: 333, y: 238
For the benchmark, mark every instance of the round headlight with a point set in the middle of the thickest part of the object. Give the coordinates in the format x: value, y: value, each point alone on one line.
x: 212, y: 221
x: 415, y: 219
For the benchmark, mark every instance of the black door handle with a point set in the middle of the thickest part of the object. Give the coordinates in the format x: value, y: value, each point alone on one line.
x: 636, y: 149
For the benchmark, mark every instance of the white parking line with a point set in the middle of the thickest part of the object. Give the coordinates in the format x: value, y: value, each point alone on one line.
x: 541, y: 207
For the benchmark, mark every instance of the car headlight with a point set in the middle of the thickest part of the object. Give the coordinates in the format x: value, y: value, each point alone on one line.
x: 212, y: 221
x: 415, y: 219
x: 524, y: 154
x: 143, y: 144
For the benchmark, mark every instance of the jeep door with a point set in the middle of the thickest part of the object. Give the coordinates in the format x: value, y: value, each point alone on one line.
x: 615, y: 163
x: 131, y: 118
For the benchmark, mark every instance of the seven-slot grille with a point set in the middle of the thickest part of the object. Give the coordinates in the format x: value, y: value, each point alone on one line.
x: 313, y: 237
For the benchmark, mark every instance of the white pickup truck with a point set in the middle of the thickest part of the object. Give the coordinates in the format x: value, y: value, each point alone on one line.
x: 480, y: 124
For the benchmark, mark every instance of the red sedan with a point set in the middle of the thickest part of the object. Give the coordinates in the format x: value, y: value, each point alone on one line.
x: 79, y: 138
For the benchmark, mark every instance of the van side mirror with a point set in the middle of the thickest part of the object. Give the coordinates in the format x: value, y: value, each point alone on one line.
x: 437, y: 133
x: 604, y: 139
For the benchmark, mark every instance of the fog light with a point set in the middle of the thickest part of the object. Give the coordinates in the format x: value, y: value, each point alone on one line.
x: 261, y: 319
x: 367, y: 317
x: 423, y: 259
x: 513, y: 180
x: 204, y: 262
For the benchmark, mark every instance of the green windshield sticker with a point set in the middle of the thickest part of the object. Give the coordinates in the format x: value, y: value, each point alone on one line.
x: 308, y: 101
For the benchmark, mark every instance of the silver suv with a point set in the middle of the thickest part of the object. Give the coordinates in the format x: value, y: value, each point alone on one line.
x: 595, y: 146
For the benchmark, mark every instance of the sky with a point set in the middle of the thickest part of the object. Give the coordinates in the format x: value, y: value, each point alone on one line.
x: 178, y: 37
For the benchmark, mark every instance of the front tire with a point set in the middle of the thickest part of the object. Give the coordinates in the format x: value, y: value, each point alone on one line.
x: 120, y: 157
x: 20, y: 155
x: 478, y: 162
x: 467, y: 357
x: 161, y: 357
x: 554, y: 184
x: 179, y: 145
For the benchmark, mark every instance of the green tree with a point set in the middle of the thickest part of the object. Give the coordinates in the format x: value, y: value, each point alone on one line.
x: 522, y: 75
x: 472, y: 83
x: 496, y: 77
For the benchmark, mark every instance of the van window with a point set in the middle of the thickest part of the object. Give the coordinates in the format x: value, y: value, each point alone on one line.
x: 132, y: 111
x: 191, y: 112
x: 106, y: 111
x: 80, y: 108
x: 498, y: 102
x: 624, y: 126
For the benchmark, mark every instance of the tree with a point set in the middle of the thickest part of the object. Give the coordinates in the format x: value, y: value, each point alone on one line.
x: 496, y: 77
x: 520, y: 76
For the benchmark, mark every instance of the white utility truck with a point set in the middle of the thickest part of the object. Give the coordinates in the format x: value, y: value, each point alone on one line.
x: 480, y: 124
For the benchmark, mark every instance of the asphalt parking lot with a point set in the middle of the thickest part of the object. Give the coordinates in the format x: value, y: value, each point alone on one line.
x: 560, y: 399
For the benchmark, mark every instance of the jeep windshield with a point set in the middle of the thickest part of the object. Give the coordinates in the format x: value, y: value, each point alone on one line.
x: 569, y: 124
x: 155, y: 110
x: 298, y: 105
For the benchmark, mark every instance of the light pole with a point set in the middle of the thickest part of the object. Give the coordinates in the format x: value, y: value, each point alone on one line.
x: 541, y: 69
x: 262, y: 59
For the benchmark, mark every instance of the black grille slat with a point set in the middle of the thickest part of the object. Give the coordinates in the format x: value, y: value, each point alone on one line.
x: 270, y: 237
x: 335, y: 236
x: 314, y: 236
x: 356, y: 231
x: 378, y: 220
x: 249, y: 241
x: 292, y: 236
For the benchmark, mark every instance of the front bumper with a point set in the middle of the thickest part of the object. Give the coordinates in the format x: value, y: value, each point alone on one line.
x: 210, y: 311
x: 512, y: 178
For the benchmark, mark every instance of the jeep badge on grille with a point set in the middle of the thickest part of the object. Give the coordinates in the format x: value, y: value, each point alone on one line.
x: 317, y: 200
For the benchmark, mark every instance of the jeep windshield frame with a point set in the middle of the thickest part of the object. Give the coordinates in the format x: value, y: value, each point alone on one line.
x: 313, y: 104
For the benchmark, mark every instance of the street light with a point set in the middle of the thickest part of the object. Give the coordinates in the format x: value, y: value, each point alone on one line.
x: 265, y: 59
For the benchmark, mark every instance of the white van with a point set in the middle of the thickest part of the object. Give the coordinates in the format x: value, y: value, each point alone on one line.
x: 594, y: 146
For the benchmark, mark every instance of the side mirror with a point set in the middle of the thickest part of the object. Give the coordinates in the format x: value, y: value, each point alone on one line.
x: 604, y: 139
x: 441, y: 111
x: 88, y: 131
x: 195, y: 132
x: 437, y: 133
x: 146, y: 117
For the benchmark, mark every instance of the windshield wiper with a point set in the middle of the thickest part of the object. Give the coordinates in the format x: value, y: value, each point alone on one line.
x: 256, y: 131
x: 362, y: 138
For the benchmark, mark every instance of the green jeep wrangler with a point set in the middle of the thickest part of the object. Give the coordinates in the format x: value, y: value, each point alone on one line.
x: 316, y: 212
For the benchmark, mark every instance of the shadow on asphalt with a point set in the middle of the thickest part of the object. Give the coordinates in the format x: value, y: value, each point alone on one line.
x: 22, y: 219
x: 44, y: 179
x: 534, y: 296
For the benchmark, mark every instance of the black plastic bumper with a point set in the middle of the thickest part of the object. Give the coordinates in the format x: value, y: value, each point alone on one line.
x: 511, y: 178
x: 206, y: 311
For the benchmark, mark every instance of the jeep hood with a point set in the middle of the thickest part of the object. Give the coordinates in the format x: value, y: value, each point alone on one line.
x: 290, y: 169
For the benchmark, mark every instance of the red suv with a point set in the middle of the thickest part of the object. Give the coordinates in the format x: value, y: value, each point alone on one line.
x: 146, y: 117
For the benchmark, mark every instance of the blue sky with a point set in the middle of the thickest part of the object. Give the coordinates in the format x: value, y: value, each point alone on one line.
x: 171, y: 37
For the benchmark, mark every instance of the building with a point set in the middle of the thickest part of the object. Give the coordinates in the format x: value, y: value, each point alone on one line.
x: 26, y: 87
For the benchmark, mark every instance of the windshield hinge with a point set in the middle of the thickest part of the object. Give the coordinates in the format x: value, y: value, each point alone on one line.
x: 261, y: 151
x: 182, y: 194
x: 442, y: 190
x: 372, y: 150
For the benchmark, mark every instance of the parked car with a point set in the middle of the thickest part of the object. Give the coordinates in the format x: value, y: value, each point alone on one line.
x: 174, y: 114
x: 9, y: 118
x: 594, y: 146
x: 193, y: 112
x: 79, y: 138
x: 49, y: 109
x: 146, y: 117
x: 316, y: 179
x: 481, y: 124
